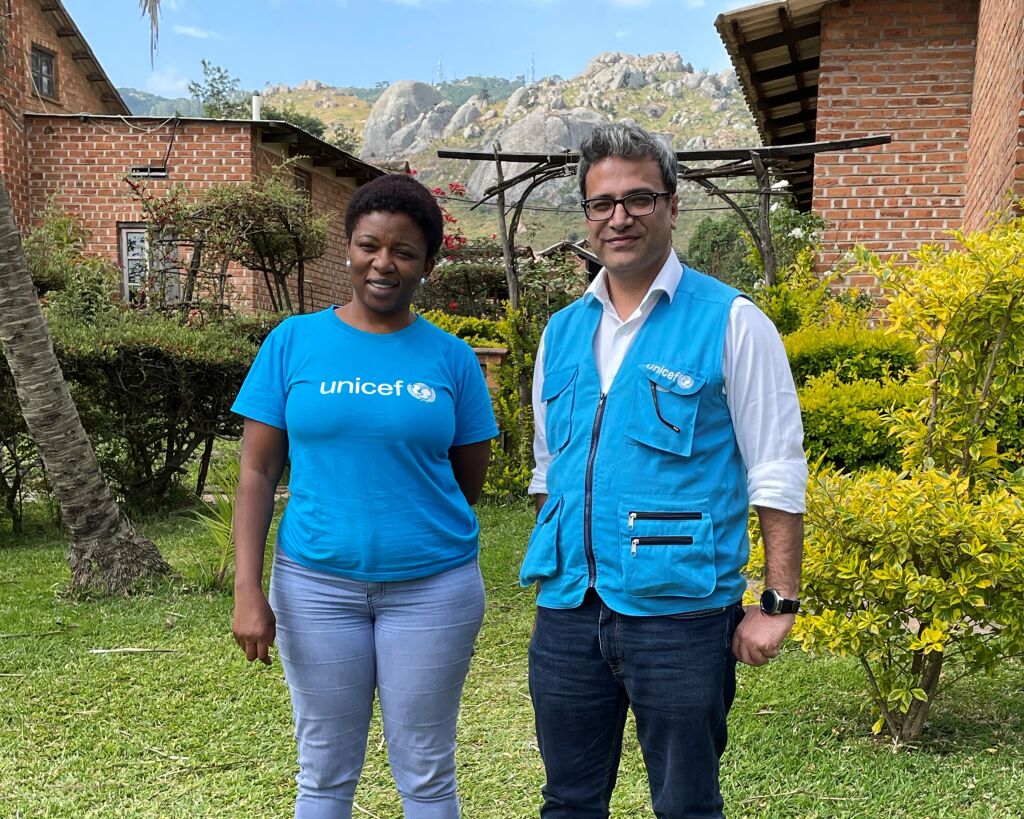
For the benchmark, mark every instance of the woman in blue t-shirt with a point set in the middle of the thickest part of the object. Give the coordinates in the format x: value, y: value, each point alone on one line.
x: 386, y: 422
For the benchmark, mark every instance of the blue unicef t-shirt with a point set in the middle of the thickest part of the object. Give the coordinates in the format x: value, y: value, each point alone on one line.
x: 370, y: 418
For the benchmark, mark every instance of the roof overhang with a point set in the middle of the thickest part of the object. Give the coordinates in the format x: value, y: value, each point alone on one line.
x: 294, y: 140
x: 775, y: 48
x: 79, y: 51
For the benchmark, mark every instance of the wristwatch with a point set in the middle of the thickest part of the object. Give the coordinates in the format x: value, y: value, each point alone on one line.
x: 773, y: 603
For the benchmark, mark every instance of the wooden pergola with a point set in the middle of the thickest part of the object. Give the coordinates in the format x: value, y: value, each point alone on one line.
x: 761, y: 163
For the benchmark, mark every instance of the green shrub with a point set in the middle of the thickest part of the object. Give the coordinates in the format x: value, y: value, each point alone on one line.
x: 846, y: 424
x: 850, y: 352
x: 512, y: 454
x: 150, y: 391
x: 477, y: 332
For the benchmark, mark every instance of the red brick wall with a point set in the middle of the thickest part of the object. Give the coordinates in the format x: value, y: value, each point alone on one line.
x: 326, y: 278
x: 25, y: 26
x: 86, y: 162
x: 904, y: 68
x: 993, y: 165
x: 74, y: 91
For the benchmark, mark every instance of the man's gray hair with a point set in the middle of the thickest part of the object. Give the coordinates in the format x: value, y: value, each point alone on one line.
x: 623, y: 141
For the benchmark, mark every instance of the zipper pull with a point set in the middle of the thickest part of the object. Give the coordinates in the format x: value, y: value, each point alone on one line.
x: 632, y: 519
x: 634, y: 543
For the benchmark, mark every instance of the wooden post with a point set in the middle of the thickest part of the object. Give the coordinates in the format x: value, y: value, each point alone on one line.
x: 511, y: 275
x: 764, y: 208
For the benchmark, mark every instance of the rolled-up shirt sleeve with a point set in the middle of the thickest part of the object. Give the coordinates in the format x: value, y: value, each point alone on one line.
x: 762, y: 400
x: 541, y: 456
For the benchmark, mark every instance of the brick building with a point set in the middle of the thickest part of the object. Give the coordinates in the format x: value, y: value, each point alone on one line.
x: 944, y: 77
x: 65, y: 130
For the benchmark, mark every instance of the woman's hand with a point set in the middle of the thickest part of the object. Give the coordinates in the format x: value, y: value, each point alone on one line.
x: 253, y: 625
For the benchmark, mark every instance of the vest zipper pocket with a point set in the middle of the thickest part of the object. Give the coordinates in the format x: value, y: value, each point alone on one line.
x: 635, y: 516
x: 667, y: 540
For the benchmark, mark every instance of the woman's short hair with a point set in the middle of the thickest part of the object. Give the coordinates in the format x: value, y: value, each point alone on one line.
x: 398, y: 193
x: 623, y: 141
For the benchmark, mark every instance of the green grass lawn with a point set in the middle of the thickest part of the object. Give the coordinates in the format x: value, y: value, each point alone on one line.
x: 195, y: 731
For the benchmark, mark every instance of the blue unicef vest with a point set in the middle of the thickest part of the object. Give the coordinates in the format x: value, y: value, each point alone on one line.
x: 647, y: 491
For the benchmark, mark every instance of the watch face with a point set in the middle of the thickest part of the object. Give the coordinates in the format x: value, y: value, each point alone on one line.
x: 770, y: 601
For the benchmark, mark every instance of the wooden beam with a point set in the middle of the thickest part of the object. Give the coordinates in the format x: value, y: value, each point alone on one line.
x: 288, y: 138
x: 780, y: 72
x: 766, y: 151
x: 793, y: 119
x: 794, y: 55
x: 66, y: 32
x: 801, y: 94
x: 779, y: 39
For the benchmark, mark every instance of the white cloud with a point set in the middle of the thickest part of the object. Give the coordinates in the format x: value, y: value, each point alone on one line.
x: 167, y: 82
x: 622, y: 33
x: 198, y: 33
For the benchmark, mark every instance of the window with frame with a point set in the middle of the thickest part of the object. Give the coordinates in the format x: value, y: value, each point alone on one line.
x: 44, y: 72
x: 144, y: 268
x: 303, y: 181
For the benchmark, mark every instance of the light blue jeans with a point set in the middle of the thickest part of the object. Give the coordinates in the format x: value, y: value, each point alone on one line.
x: 411, y: 641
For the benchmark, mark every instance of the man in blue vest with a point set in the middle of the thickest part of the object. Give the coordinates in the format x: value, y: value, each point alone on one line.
x: 664, y: 409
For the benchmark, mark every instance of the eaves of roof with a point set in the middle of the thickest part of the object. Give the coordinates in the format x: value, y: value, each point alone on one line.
x: 775, y: 48
x: 79, y: 51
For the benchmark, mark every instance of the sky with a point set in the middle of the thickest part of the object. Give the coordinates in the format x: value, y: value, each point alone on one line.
x: 363, y: 42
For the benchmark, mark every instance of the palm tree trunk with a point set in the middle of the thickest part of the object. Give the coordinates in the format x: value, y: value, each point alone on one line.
x: 105, y: 553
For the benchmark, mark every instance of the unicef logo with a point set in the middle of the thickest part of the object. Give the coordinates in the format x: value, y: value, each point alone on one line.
x: 422, y: 392
x: 682, y: 379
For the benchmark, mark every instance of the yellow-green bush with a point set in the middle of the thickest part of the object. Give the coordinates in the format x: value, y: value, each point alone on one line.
x: 850, y: 352
x: 921, y: 570
x: 847, y: 424
x: 906, y: 572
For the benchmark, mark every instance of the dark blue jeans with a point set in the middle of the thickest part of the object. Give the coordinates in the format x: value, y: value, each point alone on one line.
x: 589, y: 665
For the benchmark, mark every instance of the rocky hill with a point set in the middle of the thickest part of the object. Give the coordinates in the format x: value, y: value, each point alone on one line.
x: 408, y: 121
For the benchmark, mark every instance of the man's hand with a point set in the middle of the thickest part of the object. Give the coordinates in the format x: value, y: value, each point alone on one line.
x: 759, y: 636
x: 254, y: 625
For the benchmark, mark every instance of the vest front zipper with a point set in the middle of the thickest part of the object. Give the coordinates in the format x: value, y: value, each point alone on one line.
x: 663, y: 540
x: 635, y: 516
x: 588, y: 495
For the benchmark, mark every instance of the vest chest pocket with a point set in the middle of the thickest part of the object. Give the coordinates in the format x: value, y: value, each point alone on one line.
x: 541, y: 560
x: 665, y: 410
x: 558, y: 394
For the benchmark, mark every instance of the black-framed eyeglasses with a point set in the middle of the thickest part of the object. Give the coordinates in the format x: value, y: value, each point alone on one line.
x: 601, y: 208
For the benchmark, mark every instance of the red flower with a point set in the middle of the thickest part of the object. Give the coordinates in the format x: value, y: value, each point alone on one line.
x: 453, y: 305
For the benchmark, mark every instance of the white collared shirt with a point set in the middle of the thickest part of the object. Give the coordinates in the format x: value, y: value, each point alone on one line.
x: 758, y: 387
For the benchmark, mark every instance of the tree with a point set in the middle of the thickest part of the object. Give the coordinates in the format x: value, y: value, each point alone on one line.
x: 219, y: 93
x: 719, y: 247
x: 266, y: 224
x: 105, y: 553
x: 221, y: 97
